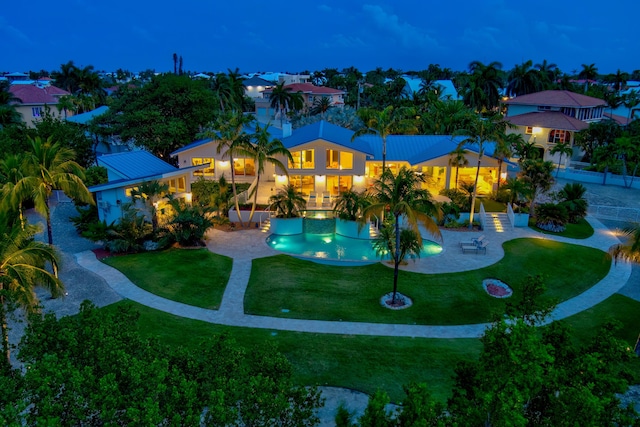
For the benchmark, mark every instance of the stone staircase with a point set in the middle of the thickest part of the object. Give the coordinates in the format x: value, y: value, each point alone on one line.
x: 266, y: 225
x: 497, y: 222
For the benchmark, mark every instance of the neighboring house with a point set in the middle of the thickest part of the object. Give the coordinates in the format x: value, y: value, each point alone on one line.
x: 101, y: 145
x: 34, y: 99
x: 309, y: 92
x: 255, y: 86
x: 126, y: 171
x: 16, y: 77
x: 325, y: 159
x: 553, y: 116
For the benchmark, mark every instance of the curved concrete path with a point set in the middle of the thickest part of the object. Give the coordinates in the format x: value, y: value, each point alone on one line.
x: 243, y: 246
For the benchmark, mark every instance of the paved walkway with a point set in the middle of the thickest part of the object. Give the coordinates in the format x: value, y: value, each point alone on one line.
x: 245, y: 245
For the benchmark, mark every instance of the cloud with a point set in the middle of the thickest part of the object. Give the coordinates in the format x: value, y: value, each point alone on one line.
x: 13, y: 33
x: 406, y: 34
x: 485, y: 37
x: 343, y: 41
x: 324, y: 8
x: 143, y: 34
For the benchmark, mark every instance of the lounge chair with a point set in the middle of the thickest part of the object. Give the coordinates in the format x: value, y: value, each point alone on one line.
x: 482, y: 247
x: 475, y: 241
x: 326, y: 200
x: 313, y: 200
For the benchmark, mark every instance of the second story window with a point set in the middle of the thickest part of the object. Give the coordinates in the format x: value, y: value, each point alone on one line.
x: 557, y: 136
x: 36, y: 111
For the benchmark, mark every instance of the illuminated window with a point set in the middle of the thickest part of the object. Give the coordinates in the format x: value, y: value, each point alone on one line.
x: 346, y: 160
x: 182, y: 187
x: 207, y: 170
x: 302, y: 160
x: 244, y: 167
x: 333, y: 158
x: 557, y: 136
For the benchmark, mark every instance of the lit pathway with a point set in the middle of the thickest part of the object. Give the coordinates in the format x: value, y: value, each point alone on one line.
x: 243, y: 246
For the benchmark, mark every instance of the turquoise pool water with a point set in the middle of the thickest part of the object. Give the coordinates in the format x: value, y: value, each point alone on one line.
x: 334, y: 247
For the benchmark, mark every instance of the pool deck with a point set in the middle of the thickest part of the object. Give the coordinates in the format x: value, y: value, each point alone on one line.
x: 245, y: 245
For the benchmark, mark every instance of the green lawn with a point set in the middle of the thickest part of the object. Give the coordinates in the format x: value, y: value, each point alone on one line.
x: 581, y: 230
x: 315, y: 291
x: 192, y: 276
x: 490, y: 205
x: 368, y: 363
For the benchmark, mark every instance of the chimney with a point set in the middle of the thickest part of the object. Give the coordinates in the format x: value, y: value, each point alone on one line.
x: 286, y: 130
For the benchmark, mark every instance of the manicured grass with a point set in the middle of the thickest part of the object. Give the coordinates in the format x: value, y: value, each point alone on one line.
x: 315, y: 291
x: 369, y: 363
x: 192, y: 276
x: 490, y: 205
x: 581, y: 230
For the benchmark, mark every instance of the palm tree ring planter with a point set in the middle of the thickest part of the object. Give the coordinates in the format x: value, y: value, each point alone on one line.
x: 497, y: 288
x: 401, y: 302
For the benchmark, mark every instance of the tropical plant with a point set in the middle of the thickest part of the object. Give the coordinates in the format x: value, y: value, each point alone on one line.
x: 130, y: 233
x: 482, y: 91
x: 288, y: 202
x: 548, y: 73
x: 150, y: 192
x: 22, y: 269
x: 504, y: 149
x: 403, y: 198
x: 629, y: 249
x: 321, y: 106
x: 538, y: 176
x: 524, y: 79
x: 482, y: 131
x: 228, y: 131
x: 384, y: 123
x: 457, y: 159
x: 565, y: 149
x: 264, y: 150
x: 349, y: 205
x: 571, y: 196
x: 552, y: 217
x: 187, y: 224
x: 48, y: 167
x: 11, y: 172
x: 285, y: 99
x: 518, y: 191
x: 444, y: 117
x: 588, y: 72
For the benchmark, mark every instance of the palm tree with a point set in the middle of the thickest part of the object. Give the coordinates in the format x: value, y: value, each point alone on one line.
x: 504, y: 149
x: 588, y: 72
x: 524, y: 79
x: 321, y: 106
x: 150, y: 192
x: 444, y: 117
x: 565, y: 149
x: 22, y: 268
x: 629, y: 250
x: 383, y: 123
x: 538, y: 175
x: 457, y: 159
x: 263, y: 149
x: 284, y: 99
x: 8, y: 113
x: 548, y: 73
x: 50, y: 166
x: 572, y: 198
x: 66, y: 78
x: 288, y: 202
x: 402, y: 196
x: 483, y: 89
x: 632, y: 99
x: 518, y: 189
x: 11, y: 172
x: 349, y: 205
x: 482, y: 131
x: 228, y: 131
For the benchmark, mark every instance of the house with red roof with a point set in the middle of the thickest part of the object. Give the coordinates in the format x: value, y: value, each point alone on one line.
x: 553, y: 116
x: 310, y: 94
x: 34, y: 99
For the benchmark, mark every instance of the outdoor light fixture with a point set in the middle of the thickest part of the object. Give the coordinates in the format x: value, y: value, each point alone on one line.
x: 320, y: 178
x: 223, y: 163
x: 536, y: 130
x: 358, y: 179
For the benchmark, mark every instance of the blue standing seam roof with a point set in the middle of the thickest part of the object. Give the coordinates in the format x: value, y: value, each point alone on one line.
x: 328, y: 132
x: 135, y: 164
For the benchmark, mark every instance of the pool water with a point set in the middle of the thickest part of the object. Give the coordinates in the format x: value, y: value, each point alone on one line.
x: 335, y: 247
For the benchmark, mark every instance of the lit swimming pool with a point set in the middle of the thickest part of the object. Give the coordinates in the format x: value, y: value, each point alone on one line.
x: 334, y: 247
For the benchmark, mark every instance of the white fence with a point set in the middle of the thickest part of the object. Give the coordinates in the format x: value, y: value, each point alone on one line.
x: 599, y: 178
x: 615, y: 213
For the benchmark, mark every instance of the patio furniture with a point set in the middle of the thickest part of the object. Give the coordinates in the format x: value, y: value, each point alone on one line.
x: 474, y: 241
x: 326, y: 200
x: 482, y: 247
x: 313, y: 200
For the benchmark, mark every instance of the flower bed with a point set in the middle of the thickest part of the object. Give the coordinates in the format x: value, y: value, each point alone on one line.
x: 497, y: 288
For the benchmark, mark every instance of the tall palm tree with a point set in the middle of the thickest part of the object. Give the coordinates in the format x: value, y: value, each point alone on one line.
x: 50, y: 166
x: 321, y: 106
x: 524, y: 79
x: 482, y: 131
x: 629, y: 250
x: 457, y: 159
x: 264, y: 150
x: 631, y: 100
x: 229, y: 133
x: 504, y: 149
x: 12, y: 169
x: 66, y: 78
x: 589, y: 72
x: 150, y: 192
x: 548, y: 73
x: 8, y: 113
x: 383, y: 123
x: 483, y: 89
x: 22, y: 268
x: 402, y: 196
x: 565, y: 149
x: 444, y: 117
x: 284, y: 99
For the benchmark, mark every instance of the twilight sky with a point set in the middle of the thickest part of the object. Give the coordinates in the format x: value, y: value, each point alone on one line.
x: 213, y: 35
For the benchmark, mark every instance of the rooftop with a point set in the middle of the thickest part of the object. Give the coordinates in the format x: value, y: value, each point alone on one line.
x: 556, y: 98
x: 34, y: 94
x: 548, y: 119
x: 135, y: 164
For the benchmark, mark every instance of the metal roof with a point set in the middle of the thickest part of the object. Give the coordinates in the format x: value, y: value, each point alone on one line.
x: 135, y: 164
x: 328, y: 132
x: 84, y: 118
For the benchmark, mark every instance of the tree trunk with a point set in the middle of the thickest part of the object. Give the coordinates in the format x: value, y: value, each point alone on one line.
x: 49, y: 228
x: 475, y: 193
x: 499, y: 173
x: 384, y: 154
x: 396, y: 260
x: 255, y: 198
x: 235, y: 192
x: 457, y: 170
x: 559, y: 161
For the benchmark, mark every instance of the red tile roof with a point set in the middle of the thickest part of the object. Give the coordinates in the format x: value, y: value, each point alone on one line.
x: 556, y: 98
x: 621, y: 120
x: 549, y: 120
x: 310, y: 89
x: 32, y: 94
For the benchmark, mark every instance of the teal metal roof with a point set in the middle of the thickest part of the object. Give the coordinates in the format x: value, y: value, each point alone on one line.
x: 135, y: 164
x: 84, y: 118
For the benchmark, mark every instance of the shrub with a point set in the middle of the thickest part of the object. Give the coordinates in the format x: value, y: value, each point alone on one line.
x: 130, y: 233
x: 187, y: 225
x: 94, y: 175
x: 457, y: 197
x: 450, y: 212
x: 571, y: 196
x: 551, y: 217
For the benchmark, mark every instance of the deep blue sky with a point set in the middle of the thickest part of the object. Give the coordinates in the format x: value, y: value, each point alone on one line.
x: 213, y: 35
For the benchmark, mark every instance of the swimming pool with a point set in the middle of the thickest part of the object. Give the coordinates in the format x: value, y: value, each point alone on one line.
x: 329, y: 248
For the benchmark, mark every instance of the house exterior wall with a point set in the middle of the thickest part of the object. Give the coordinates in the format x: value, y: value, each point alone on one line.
x: 32, y: 113
x: 541, y: 140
